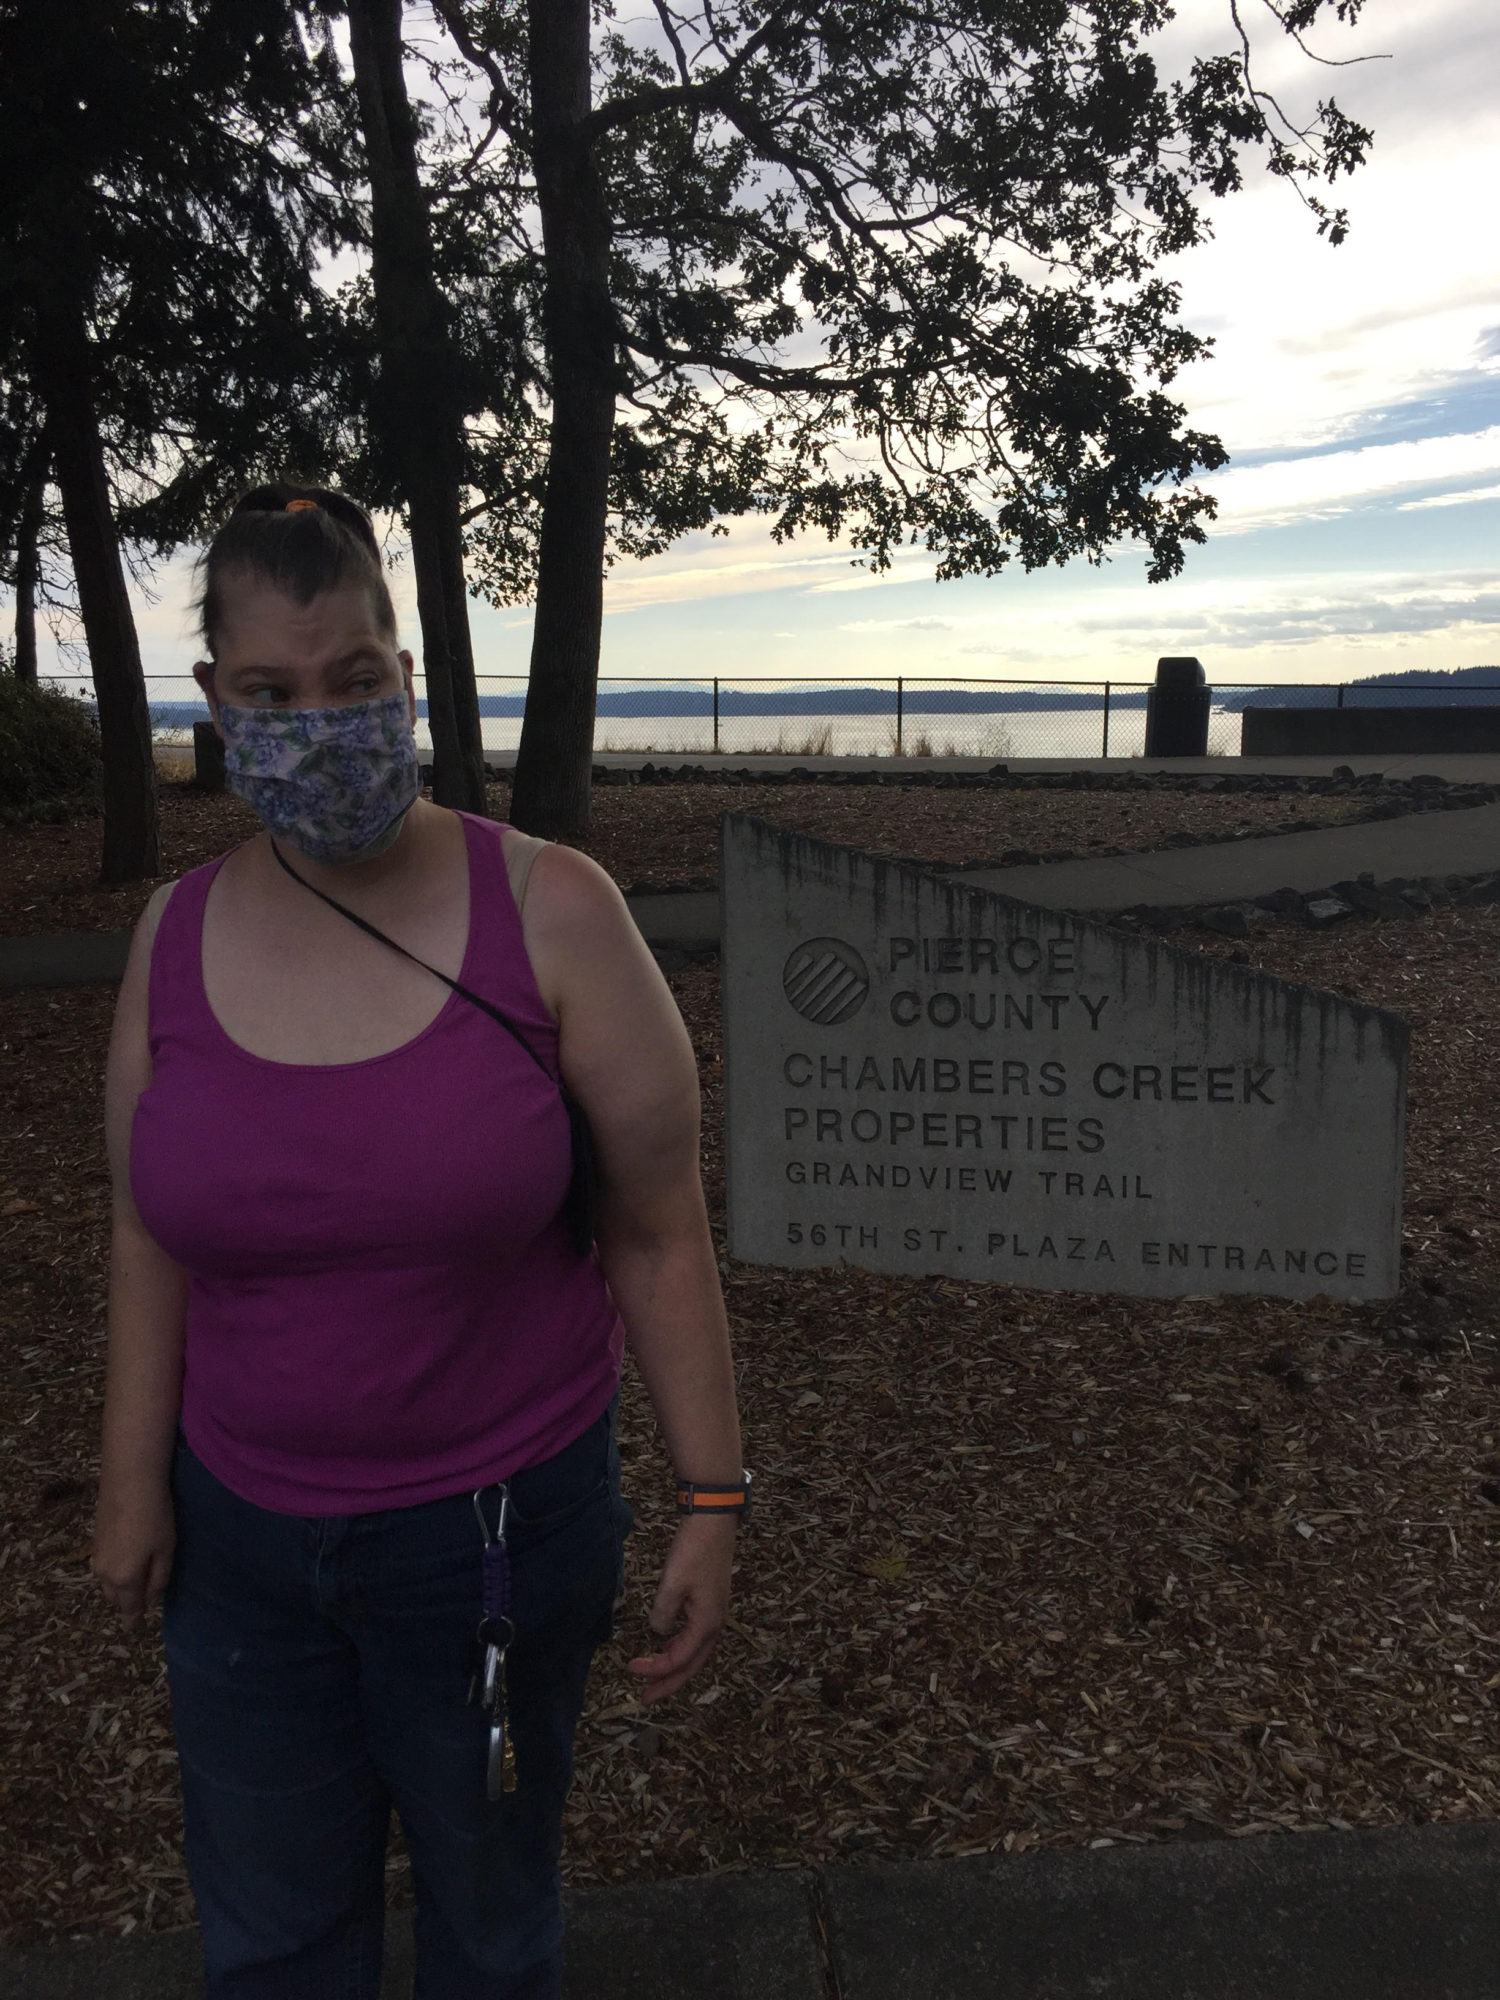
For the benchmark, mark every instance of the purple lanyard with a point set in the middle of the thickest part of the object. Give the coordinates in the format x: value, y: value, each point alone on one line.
x: 496, y: 1631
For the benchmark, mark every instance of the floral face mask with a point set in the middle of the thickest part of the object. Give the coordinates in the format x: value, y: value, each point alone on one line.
x: 335, y: 783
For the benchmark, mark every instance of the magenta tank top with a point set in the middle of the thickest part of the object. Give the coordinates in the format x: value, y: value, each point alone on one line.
x: 384, y: 1306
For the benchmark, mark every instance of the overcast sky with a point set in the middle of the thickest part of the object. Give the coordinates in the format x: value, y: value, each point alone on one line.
x: 1358, y: 390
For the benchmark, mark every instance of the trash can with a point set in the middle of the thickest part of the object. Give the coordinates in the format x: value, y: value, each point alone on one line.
x: 208, y: 758
x: 1177, y: 710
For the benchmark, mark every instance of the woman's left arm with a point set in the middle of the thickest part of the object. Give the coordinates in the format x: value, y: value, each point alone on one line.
x: 627, y: 1059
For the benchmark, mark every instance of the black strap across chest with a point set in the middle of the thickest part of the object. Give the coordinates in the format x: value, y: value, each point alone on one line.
x: 464, y: 992
x: 581, y: 1205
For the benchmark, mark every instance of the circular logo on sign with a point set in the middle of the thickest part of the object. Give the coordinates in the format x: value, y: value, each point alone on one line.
x: 826, y: 981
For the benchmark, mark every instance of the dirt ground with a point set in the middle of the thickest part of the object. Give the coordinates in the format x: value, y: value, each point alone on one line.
x: 1028, y: 1569
x: 655, y: 836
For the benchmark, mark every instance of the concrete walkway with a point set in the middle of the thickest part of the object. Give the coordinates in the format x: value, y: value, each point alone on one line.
x: 1436, y: 843
x: 64, y: 958
x: 1420, y: 844
x: 97, y: 958
x: 1464, y: 842
x: 1409, y: 1914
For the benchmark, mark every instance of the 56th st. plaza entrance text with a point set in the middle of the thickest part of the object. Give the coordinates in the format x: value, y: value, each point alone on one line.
x: 925, y: 1078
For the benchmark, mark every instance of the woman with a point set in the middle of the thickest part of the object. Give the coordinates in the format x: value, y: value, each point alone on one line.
x: 363, y: 1363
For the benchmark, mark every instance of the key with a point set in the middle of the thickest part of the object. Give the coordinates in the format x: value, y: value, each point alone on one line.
x: 500, y: 1775
x: 500, y: 1772
x: 493, y: 1697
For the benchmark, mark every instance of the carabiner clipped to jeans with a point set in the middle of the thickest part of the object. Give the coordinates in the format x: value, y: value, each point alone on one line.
x: 496, y: 1631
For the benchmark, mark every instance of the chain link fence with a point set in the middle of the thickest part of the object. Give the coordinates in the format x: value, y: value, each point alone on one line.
x: 997, y: 720
x: 904, y: 717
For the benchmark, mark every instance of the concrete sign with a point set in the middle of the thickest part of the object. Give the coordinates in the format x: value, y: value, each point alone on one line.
x: 924, y: 1077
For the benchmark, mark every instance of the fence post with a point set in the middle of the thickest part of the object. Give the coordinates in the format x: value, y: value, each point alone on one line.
x: 1340, y: 702
x: 1105, y: 751
x: 716, y: 715
x: 900, y: 704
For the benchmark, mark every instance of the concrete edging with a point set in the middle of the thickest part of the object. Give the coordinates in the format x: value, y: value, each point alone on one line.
x: 750, y: 1935
x: 1406, y: 1913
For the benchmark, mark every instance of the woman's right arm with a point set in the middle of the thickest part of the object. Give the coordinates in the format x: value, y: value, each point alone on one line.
x: 134, y: 1532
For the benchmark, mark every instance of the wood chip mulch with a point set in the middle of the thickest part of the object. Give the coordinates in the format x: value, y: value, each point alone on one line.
x: 655, y: 836
x: 1029, y: 1568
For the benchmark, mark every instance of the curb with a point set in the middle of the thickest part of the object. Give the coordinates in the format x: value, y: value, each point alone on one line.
x: 1406, y: 1913
x: 750, y: 1935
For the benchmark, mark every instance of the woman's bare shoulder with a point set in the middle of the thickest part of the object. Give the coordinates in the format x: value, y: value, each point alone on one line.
x: 521, y: 851
x: 624, y: 1049
x: 132, y: 997
x: 580, y: 936
x: 129, y: 1068
x: 149, y: 921
x: 572, y: 895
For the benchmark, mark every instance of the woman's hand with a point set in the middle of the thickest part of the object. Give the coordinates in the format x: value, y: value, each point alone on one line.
x: 692, y: 1603
x: 135, y: 1534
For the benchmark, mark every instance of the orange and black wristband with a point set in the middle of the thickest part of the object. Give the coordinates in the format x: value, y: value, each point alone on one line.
x: 694, y: 1499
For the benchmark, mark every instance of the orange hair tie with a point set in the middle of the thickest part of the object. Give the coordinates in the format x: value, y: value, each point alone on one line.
x: 301, y: 506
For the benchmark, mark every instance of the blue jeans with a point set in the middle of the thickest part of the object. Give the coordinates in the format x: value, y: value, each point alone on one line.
x: 319, y: 1672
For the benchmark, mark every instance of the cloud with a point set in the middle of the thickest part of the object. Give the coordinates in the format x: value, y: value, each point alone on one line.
x: 1465, y: 400
x: 1469, y: 498
x: 1023, y: 656
x: 1332, y: 339
x: 713, y: 572
x: 858, y: 578
x: 900, y: 625
x: 1293, y: 489
x: 1364, y: 611
x: 1301, y: 486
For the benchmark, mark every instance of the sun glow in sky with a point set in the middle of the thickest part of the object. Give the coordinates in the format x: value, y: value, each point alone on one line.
x: 1358, y: 390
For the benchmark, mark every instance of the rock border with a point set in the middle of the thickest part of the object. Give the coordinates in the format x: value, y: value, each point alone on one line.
x: 1400, y: 898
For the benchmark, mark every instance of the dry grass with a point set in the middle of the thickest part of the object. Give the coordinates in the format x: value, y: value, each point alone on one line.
x: 654, y: 835
x: 1029, y: 1568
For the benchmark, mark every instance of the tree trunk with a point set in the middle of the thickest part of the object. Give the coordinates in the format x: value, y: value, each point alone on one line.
x: 28, y: 566
x: 557, y: 737
x: 64, y: 370
x: 420, y: 407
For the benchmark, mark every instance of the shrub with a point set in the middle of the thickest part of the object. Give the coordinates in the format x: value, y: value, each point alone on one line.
x: 49, y: 752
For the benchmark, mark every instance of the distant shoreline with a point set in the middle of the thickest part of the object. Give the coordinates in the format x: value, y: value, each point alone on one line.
x: 833, y: 700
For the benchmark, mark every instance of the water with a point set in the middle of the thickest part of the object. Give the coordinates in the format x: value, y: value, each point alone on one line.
x: 1065, y: 733
x: 1056, y: 733
x: 1019, y: 734
x: 997, y: 737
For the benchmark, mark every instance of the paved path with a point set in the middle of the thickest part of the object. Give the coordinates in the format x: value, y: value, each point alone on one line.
x: 1435, y: 843
x: 97, y: 958
x: 64, y: 958
x: 1408, y: 1914
x: 1465, y: 842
